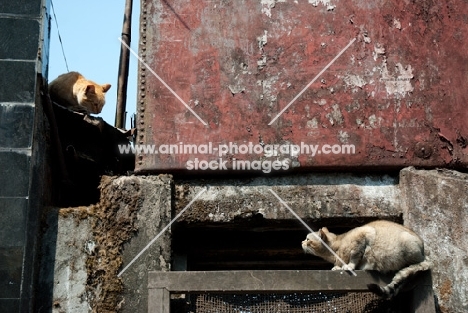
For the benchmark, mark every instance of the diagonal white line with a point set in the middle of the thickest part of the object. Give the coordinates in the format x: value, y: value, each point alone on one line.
x: 313, y: 80
x: 161, y: 232
x: 162, y: 81
x: 310, y: 229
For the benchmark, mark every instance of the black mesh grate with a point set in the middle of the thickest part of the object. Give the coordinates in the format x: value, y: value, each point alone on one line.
x: 290, y: 303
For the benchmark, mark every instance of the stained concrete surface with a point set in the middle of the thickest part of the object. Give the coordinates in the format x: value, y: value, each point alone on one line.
x: 435, y: 205
x: 88, y: 246
x: 311, y: 196
x: 134, y: 209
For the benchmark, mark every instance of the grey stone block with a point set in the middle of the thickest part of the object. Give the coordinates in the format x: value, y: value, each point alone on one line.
x: 16, y: 124
x: 18, y: 81
x: 9, y: 305
x: 14, y: 174
x: 19, y: 38
x: 11, y: 260
x: 12, y: 223
x: 23, y: 7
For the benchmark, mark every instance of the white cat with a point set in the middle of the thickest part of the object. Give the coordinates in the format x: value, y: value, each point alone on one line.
x: 381, y: 246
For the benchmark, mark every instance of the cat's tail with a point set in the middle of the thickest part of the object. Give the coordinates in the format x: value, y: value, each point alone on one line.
x: 399, y: 280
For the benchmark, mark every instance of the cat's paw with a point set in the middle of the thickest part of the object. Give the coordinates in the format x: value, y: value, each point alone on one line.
x: 336, y: 268
x: 349, y: 267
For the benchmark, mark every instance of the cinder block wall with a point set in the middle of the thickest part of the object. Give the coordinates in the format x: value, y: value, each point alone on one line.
x: 23, y: 60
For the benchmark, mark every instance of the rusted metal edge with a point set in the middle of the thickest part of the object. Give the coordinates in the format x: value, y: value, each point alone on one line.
x: 140, y: 139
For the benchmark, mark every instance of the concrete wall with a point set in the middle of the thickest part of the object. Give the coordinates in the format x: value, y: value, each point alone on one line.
x: 95, y: 243
x: 23, y: 143
x: 435, y: 205
x: 85, y: 248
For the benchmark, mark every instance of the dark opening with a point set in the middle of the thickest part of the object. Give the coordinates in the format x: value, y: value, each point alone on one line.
x: 258, y: 244
x: 254, y: 244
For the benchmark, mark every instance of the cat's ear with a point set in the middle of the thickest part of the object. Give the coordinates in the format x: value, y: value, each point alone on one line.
x: 106, y: 87
x: 90, y: 89
x: 323, y: 232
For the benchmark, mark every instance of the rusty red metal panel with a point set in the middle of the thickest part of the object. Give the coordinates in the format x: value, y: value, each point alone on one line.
x: 396, y: 93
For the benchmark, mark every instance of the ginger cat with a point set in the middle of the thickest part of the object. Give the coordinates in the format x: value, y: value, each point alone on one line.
x: 74, y: 91
x: 381, y: 246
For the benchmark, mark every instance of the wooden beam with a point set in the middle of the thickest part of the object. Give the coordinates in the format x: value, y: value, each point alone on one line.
x: 159, y: 301
x: 264, y: 281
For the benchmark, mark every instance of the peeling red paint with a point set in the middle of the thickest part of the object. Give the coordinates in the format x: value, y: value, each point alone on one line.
x: 237, y: 64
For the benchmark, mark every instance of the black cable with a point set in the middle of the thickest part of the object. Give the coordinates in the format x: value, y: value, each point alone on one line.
x: 60, y: 38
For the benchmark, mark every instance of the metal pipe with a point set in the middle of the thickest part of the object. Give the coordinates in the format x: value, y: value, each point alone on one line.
x: 123, y: 67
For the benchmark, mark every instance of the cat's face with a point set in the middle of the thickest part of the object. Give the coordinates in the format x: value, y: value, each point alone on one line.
x: 93, y: 97
x: 314, y: 243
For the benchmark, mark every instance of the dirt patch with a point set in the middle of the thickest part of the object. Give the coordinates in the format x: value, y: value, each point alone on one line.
x: 445, y: 294
x: 78, y: 213
x: 114, y: 224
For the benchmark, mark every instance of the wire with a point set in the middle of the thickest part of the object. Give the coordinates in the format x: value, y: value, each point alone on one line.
x: 60, y: 37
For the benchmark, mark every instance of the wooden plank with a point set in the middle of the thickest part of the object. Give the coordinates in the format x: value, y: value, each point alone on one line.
x: 159, y: 300
x: 257, y: 265
x: 263, y: 281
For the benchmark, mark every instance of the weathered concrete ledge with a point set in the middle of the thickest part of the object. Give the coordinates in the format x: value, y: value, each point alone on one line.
x: 311, y: 196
